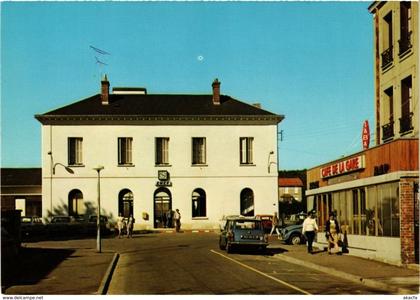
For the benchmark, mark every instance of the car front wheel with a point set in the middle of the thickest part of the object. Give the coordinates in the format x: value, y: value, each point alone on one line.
x: 295, y: 240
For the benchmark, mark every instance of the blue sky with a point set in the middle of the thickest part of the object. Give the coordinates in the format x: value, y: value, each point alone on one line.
x: 310, y: 61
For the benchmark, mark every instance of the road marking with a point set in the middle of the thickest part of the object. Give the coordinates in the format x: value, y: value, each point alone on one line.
x: 263, y: 274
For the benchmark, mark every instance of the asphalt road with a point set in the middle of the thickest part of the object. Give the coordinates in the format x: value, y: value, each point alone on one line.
x: 192, y: 264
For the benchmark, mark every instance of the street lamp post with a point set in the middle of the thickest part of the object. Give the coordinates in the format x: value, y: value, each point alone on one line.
x: 98, y: 219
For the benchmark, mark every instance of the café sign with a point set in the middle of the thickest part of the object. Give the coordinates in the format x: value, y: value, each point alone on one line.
x: 343, y: 167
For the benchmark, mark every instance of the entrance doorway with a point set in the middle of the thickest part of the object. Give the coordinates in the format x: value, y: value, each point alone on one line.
x: 162, y: 203
x: 125, y: 203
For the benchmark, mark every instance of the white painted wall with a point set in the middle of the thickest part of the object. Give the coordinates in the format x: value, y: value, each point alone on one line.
x: 222, y: 179
x: 385, y: 249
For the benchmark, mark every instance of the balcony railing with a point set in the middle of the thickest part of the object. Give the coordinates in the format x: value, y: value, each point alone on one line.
x: 387, y: 57
x: 405, y: 43
x: 406, y: 123
x: 388, y: 131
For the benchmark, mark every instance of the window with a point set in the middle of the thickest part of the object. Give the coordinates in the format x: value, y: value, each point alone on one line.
x: 198, y: 203
x: 387, y: 56
x: 406, y: 102
x: 388, y: 127
x: 405, y: 42
x: 125, y: 150
x: 246, y: 150
x: 198, y: 151
x: 162, y: 151
x: 75, y: 151
x: 76, y: 206
x: 247, y: 202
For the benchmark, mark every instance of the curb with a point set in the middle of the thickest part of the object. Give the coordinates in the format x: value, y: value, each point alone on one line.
x: 103, y: 288
x: 354, y: 278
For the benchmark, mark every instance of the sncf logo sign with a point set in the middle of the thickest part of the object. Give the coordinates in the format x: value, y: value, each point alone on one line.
x: 342, y: 167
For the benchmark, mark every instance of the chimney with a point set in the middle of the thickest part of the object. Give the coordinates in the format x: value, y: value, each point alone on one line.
x: 216, y: 92
x: 105, y: 91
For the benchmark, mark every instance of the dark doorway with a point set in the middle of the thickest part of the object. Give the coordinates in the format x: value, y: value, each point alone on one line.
x: 162, y: 203
x: 125, y: 203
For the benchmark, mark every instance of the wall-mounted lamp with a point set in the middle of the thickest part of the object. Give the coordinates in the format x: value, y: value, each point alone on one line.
x: 69, y: 170
x: 270, y: 162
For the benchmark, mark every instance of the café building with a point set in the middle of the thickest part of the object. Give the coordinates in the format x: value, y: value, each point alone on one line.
x: 374, y: 194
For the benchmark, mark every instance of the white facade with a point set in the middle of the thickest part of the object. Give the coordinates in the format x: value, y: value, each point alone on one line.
x: 222, y: 177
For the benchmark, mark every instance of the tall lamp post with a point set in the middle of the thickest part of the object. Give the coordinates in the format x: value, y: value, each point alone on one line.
x: 98, y: 219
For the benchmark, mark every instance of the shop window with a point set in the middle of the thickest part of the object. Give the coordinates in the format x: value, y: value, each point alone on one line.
x: 356, y: 218
x: 388, y: 210
x: 198, y: 203
x: 373, y: 227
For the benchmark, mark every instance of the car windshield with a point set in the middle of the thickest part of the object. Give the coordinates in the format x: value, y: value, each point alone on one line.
x: 246, y: 224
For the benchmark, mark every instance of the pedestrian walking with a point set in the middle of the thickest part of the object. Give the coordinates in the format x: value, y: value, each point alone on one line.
x: 177, y: 220
x: 309, y: 229
x: 275, y: 222
x: 332, y: 230
x: 130, y: 226
x: 169, y: 215
x: 120, y: 225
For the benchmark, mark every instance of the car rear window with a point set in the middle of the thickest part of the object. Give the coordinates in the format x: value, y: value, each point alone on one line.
x: 247, y: 225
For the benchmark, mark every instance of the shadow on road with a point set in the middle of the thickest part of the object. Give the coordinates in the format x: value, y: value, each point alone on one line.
x: 31, y: 266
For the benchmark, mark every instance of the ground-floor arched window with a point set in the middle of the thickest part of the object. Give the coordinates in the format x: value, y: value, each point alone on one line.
x: 125, y: 203
x: 247, y: 202
x: 76, y: 205
x: 198, y: 203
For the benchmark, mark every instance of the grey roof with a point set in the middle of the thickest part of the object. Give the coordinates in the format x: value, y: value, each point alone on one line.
x: 123, y: 105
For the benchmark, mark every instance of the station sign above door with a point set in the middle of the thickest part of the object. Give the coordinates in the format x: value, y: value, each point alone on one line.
x: 343, y: 167
x: 164, y: 178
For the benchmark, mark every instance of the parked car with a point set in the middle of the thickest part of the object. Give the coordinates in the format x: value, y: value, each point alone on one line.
x: 243, y: 232
x: 31, y: 227
x: 106, y: 226
x: 267, y: 221
x: 292, y: 234
x: 64, y: 226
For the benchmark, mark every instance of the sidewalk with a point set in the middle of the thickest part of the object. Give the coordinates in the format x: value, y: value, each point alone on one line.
x: 49, y: 269
x: 390, y: 278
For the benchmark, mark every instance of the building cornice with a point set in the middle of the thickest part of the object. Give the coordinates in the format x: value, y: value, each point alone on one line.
x: 159, y: 120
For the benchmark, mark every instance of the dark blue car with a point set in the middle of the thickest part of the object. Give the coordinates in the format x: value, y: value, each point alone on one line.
x: 243, y: 232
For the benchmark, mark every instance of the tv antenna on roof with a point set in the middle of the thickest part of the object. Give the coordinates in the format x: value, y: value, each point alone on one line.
x: 99, y: 50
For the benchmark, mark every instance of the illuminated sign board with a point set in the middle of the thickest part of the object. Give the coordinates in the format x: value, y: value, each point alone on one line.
x: 343, y: 167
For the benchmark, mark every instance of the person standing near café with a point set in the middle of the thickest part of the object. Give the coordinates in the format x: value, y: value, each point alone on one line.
x: 331, y: 233
x: 177, y: 220
x: 309, y: 229
x: 275, y: 225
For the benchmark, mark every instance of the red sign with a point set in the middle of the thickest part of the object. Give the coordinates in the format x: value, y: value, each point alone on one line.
x: 366, y: 135
x: 342, y: 167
